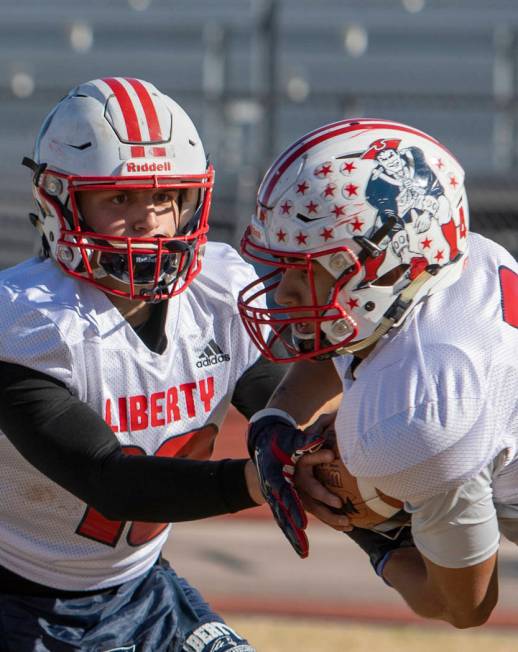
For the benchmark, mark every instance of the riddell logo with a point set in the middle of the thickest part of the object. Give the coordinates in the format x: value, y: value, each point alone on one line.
x: 212, y: 354
x: 149, y: 167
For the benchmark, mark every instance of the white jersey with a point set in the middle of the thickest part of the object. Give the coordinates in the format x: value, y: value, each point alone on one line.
x: 156, y: 404
x: 435, y: 406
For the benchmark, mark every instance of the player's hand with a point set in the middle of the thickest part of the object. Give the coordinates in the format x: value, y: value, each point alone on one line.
x: 315, y: 497
x: 379, y: 546
x: 275, y: 444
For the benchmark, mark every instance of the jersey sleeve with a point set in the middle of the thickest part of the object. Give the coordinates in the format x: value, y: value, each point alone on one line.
x: 419, y: 432
x: 30, y: 338
x: 458, y: 528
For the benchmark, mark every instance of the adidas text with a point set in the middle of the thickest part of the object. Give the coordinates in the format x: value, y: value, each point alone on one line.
x: 213, y: 359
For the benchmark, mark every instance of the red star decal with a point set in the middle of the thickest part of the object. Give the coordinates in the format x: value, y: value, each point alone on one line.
x: 323, y: 170
x: 439, y: 163
x: 302, y: 187
x: 286, y: 207
x: 262, y: 215
x: 351, y: 190
x: 357, y: 224
x: 348, y: 168
x: 353, y: 303
x: 329, y: 190
x: 338, y: 210
x: 426, y: 243
x: 312, y: 207
x: 327, y: 234
x: 453, y: 182
x: 281, y: 235
x: 301, y: 238
x: 439, y: 255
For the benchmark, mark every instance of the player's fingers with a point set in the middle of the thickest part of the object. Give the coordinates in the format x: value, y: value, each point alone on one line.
x: 305, y: 481
x: 307, y: 485
x: 292, y: 519
x: 338, y: 522
x: 319, y: 457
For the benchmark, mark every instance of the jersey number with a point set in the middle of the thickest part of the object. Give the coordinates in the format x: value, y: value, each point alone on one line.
x: 509, y: 289
x: 196, y: 444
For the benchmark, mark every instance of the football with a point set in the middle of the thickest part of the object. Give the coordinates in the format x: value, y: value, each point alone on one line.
x: 365, y: 505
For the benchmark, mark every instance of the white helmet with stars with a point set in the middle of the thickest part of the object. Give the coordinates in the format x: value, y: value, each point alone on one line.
x: 382, y: 207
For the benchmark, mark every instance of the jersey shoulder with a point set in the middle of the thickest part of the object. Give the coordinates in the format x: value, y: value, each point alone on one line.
x: 46, y: 316
x: 482, y: 248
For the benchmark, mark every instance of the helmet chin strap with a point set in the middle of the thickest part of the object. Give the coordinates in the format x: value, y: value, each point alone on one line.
x: 393, y: 314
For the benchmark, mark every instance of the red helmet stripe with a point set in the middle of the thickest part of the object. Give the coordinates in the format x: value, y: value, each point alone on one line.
x: 317, y: 139
x: 155, y: 133
x: 127, y: 108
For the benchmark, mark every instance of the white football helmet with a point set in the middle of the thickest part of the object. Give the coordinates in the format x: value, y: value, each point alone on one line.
x: 382, y: 207
x: 113, y: 133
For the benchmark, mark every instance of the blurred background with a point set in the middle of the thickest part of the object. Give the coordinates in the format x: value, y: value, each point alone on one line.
x: 256, y: 74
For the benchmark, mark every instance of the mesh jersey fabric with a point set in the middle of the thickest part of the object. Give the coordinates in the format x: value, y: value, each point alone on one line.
x: 436, y: 401
x: 71, y: 331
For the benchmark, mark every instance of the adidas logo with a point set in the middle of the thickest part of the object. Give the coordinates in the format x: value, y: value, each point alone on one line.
x: 212, y: 354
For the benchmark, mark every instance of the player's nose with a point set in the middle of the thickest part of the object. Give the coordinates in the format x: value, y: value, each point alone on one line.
x: 145, y: 218
x: 290, y: 291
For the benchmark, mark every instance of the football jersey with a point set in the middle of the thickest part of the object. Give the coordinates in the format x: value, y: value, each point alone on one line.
x: 169, y: 404
x: 436, y: 401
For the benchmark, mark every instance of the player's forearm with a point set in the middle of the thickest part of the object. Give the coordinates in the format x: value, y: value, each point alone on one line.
x: 307, y: 390
x: 73, y: 446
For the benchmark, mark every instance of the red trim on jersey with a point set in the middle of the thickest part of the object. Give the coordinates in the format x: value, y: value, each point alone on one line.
x: 509, y: 289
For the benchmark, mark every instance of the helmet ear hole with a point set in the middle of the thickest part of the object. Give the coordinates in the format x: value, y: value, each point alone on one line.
x: 392, y: 276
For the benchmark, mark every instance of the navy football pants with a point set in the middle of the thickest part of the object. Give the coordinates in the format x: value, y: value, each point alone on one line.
x: 160, y: 612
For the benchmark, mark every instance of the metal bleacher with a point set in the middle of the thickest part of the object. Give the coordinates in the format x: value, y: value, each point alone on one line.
x: 256, y: 74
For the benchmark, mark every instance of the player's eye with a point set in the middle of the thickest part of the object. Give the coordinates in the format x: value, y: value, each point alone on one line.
x: 165, y: 197
x: 118, y: 199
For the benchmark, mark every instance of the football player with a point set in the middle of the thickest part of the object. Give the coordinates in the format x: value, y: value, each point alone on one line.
x: 120, y: 354
x: 376, y: 281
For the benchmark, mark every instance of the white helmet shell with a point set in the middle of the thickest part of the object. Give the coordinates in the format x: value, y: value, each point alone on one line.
x: 378, y: 201
x: 112, y: 132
